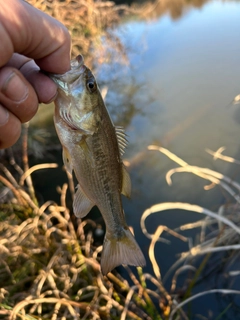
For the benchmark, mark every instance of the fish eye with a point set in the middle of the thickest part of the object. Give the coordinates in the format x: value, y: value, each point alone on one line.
x: 91, y: 85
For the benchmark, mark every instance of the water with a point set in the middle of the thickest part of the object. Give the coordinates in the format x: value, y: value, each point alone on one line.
x: 176, y: 92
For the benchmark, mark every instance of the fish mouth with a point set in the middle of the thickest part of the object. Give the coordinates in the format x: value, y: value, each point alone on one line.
x: 77, y: 62
x: 77, y: 69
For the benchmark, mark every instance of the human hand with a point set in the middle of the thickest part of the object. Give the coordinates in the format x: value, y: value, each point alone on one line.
x: 26, y: 34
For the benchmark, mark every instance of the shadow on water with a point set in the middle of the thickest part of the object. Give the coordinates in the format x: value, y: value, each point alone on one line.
x: 175, y: 92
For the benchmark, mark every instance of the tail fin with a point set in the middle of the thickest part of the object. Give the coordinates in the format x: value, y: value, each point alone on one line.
x: 121, y: 251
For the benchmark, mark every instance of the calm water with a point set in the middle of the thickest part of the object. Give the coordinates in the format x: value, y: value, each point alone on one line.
x: 175, y: 92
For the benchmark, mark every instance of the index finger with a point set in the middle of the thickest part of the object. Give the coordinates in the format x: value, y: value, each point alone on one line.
x: 29, y: 31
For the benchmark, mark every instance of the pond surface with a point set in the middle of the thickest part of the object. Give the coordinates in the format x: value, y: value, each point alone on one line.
x: 176, y: 92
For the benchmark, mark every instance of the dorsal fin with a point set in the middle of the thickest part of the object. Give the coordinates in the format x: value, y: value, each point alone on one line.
x: 122, y: 140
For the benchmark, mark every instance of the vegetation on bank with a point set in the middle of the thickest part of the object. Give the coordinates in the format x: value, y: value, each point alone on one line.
x: 49, y: 261
x: 49, y: 265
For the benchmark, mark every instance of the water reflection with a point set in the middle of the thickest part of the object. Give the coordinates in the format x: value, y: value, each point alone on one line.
x: 153, y: 9
x: 189, y: 70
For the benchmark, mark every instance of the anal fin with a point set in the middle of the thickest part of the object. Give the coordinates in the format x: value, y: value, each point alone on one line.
x: 81, y: 204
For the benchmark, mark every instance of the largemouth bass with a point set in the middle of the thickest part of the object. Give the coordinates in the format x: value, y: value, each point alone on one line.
x: 92, y: 148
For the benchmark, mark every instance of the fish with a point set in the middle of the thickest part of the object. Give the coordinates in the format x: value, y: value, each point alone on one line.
x: 92, y: 149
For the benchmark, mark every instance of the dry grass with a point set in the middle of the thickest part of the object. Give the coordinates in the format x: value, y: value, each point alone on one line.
x: 219, y: 232
x: 49, y: 267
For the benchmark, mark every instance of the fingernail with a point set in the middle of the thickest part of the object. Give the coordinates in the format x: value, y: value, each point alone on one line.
x: 14, y: 88
x: 4, y: 115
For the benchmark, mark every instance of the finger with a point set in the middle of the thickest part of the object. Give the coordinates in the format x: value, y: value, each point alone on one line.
x: 17, y: 94
x: 27, y: 30
x: 45, y: 88
x: 10, y: 128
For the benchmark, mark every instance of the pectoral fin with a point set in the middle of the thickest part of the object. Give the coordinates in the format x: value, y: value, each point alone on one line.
x: 81, y: 204
x: 86, y: 151
x: 67, y: 160
x: 126, y: 182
